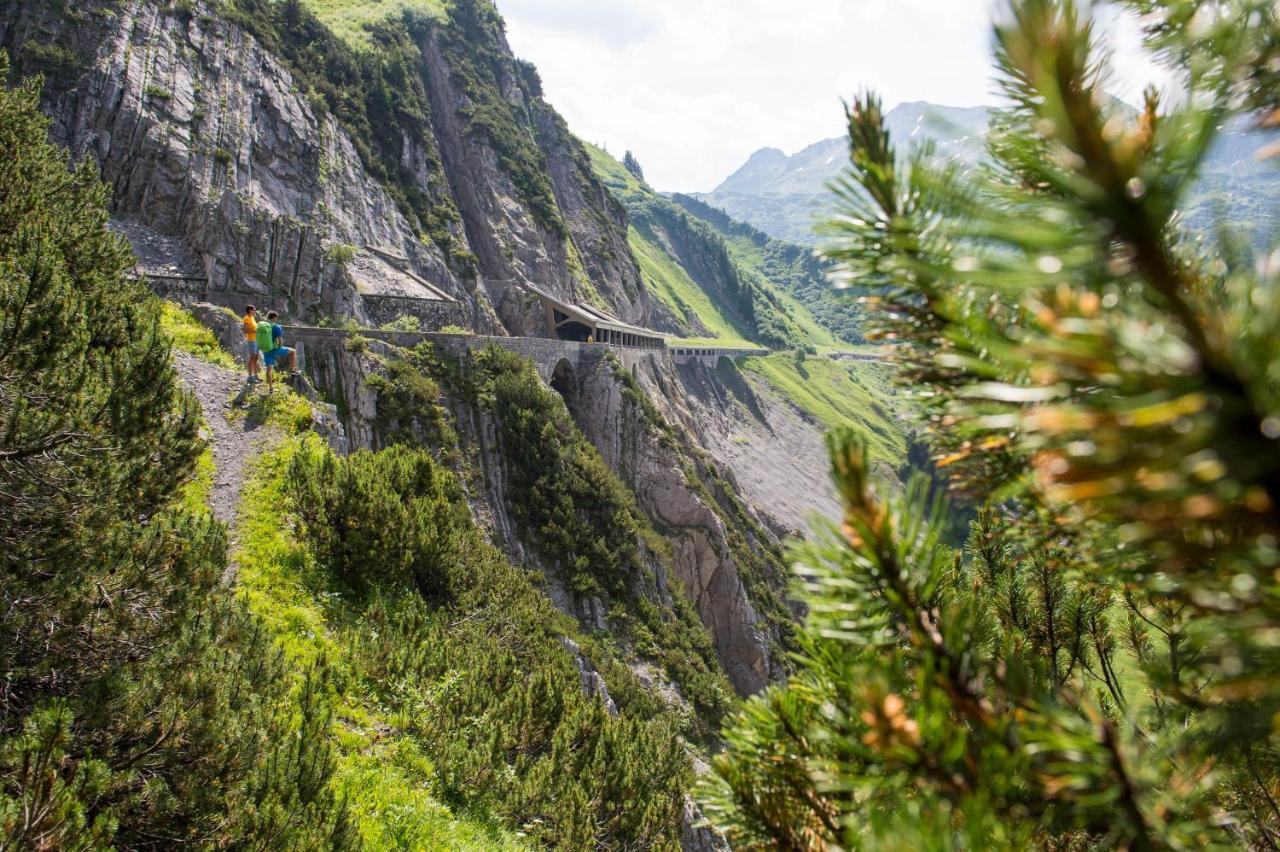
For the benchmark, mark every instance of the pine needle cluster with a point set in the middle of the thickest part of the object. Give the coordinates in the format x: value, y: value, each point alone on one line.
x: 1098, y: 667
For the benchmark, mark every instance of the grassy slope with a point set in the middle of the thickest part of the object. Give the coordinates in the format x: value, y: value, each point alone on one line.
x: 673, y: 286
x: 839, y: 393
x: 188, y: 335
x: 666, y: 278
x: 748, y: 254
x: 385, y: 778
x: 347, y: 18
x: 613, y: 173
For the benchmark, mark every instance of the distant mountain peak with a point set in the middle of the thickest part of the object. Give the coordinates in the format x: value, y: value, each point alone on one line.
x: 784, y: 195
x: 771, y: 172
x: 760, y: 168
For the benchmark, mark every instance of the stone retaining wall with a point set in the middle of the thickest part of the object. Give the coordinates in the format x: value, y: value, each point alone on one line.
x: 545, y: 352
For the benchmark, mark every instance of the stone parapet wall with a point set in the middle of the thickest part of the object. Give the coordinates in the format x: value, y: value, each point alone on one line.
x: 710, y: 355
x: 854, y: 356
x: 546, y: 353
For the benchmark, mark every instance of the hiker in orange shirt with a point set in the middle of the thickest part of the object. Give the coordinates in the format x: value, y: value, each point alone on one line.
x: 250, y: 325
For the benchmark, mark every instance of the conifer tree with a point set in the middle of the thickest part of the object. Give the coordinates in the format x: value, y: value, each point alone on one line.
x: 1098, y: 667
x: 632, y: 165
x: 140, y: 705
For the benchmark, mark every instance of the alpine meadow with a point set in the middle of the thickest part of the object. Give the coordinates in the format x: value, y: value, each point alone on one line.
x: 385, y: 463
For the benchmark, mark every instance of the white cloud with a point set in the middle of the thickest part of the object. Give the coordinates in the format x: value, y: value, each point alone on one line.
x: 693, y: 87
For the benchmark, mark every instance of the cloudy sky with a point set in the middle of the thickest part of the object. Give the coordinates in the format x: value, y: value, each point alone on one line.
x: 693, y: 87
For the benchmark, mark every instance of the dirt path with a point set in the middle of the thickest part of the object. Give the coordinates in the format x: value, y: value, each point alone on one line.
x: 234, y: 441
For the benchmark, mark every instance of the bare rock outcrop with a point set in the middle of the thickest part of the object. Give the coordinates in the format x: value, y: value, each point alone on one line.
x: 202, y: 133
x: 778, y: 455
x: 649, y: 458
x: 205, y: 134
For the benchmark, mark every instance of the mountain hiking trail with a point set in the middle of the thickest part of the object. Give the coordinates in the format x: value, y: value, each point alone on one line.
x: 234, y: 440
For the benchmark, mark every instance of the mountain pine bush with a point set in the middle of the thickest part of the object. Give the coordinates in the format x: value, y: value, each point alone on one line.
x: 473, y: 661
x: 585, y: 524
x: 140, y: 705
x: 1098, y: 667
x: 632, y: 165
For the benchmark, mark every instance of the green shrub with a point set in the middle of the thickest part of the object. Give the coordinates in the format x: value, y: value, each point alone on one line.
x: 157, y: 92
x: 341, y: 254
x: 184, y: 10
x: 467, y: 263
x: 187, y: 334
x: 469, y: 656
x: 58, y: 64
x: 404, y: 322
x: 282, y: 408
x: 141, y: 700
x: 408, y: 404
x: 386, y: 519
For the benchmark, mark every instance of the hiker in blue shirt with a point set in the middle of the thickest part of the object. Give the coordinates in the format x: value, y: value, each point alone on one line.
x: 273, y: 348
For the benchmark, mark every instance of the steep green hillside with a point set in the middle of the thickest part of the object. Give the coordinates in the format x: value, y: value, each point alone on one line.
x: 441, y: 695
x: 711, y: 289
x: 144, y: 705
x: 697, y: 312
x: 686, y: 300
x: 386, y: 777
x: 840, y: 394
x: 440, y: 677
x: 796, y: 271
x: 352, y: 19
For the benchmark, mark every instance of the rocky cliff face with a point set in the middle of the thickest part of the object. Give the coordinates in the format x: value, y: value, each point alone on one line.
x: 676, y: 488
x: 225, y: 142
x: 722, y: 553
x: 777, y: 455
x: 208, y: 125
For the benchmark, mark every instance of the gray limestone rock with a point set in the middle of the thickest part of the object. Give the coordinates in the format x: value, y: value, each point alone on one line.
x: 207, y: 138
x: 592, y: 683
x: 702, y: 557
x: 696, y: 836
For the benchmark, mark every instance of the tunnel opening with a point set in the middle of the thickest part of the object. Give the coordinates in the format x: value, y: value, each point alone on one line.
x: 565, y: 383
x: 573, y: 330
